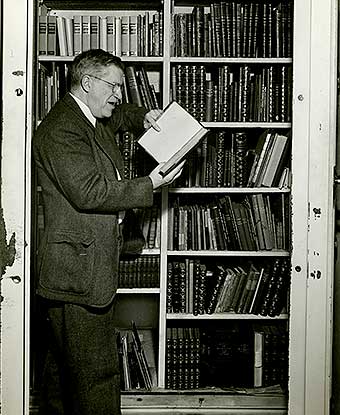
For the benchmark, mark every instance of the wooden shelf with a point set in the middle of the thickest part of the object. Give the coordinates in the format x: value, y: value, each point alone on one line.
x: 223, y: 316
x: 239, y: 61
x: 227, y: 124
x: 272, y: 253
x: 138, y: 291
x: 142, y: 59
x: 237, y: 190
x: 205, y: 402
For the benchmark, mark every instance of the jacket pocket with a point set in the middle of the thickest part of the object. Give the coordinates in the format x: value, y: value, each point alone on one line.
x: 68, y: 262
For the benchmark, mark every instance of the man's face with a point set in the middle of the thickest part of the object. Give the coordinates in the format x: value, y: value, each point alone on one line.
x: 102, y: 95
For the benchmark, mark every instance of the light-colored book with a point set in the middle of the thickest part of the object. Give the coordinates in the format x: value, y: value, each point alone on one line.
x: 103, y: 35
x: 69, y: 35
x: 61, y: 28
x: 179, y: 133
x: 258, y: 357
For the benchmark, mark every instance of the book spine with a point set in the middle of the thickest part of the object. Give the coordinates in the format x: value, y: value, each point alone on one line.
x: 86, y: 44
x: 218, y: 277
x: 169, y: 295
x: 61, y: 31
x: 125, y: 36
x: 78, y: 34
x: 118, y: 36
x: 94, y: 32
x: 51, y: 35
x: 103, y: 35
x: 133, y: 50
x: 42, y: 34
x: 133, y: 87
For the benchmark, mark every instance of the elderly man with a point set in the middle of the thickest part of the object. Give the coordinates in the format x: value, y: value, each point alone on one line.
x: 80, y: 171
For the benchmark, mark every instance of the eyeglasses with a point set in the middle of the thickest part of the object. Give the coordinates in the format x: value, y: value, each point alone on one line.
x: 114, y: 85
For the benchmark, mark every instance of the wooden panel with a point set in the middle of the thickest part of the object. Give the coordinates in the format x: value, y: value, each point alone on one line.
x: 169, y: 402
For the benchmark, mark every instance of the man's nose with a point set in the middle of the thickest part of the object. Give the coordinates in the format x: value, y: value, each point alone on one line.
x: 118, y: 94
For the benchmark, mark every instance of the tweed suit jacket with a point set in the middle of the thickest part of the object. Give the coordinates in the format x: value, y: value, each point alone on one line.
x: 77, y: 170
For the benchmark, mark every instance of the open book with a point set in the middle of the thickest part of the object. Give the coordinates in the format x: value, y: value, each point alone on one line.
x: 180, y: 133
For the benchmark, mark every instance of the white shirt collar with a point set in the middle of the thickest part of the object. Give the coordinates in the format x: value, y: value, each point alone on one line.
x: 85, y: 109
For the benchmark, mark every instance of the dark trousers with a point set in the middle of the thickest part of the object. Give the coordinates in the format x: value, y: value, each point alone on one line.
x: 81, y: 375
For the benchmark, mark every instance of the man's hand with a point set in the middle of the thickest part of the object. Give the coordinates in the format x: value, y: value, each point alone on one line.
x: 151, y: 118
x: 158, y: 180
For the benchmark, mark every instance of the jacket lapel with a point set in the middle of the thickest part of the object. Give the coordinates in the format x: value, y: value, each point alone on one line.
x: 105, y: 138
x: 103, y: 135
x: 68, y: 100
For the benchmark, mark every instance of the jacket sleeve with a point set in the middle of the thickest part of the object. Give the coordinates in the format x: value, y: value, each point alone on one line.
x: 128, y: 117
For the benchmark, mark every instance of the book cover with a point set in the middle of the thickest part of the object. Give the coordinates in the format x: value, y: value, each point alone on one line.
x: 180, y: 133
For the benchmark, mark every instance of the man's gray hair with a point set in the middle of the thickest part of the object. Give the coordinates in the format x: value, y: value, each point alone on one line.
x: 92, y: 62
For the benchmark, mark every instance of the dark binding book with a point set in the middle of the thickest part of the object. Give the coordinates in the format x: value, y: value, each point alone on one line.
x: 219, y: 275
x: 133, y: 86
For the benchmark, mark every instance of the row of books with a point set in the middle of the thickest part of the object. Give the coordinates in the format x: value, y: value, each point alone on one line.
x: 269, y: 160
x: 183, y: 352
x: 246, y: 223
x: 137, y: 358
x: 270, y: 355
x: 227, y: 357
x: 242, y: 94
x: 138, y: 89
x: 195, y: 287
x: 234, y: 93
x: 140, y: 272
x: 137, y: 163
x: 231, y: 356
x: 227, y: 158
x: 122, y: 35
x: 235, y: 29
x: 53, y: 83
x: 149, y: 220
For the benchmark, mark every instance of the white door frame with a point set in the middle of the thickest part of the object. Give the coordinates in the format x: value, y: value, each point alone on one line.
x: 15, y: 197
x: 322, y: 156
x: 314, y: 130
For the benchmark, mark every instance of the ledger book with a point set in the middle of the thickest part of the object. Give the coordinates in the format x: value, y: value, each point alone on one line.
x: 179, y: 133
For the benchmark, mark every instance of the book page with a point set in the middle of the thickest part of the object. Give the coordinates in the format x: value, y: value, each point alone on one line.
x: 177, y: 128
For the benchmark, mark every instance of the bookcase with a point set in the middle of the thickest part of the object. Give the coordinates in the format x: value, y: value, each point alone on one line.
x: 231, y: 65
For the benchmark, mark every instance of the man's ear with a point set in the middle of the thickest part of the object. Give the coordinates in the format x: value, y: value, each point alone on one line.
x: 86, y: 83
